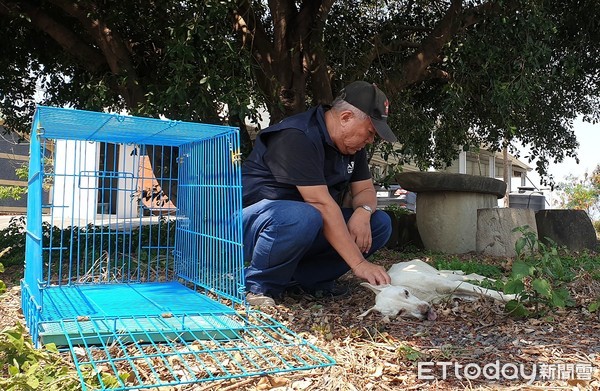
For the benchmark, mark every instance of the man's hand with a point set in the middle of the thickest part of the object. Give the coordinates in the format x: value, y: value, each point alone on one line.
x: 359, y: 227
x: 374, y: 274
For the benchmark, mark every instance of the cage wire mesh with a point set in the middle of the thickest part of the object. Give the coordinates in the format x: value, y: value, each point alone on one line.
x: 135, y: 265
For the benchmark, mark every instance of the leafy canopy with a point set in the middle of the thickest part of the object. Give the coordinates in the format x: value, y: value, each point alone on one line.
x: 458, y: 73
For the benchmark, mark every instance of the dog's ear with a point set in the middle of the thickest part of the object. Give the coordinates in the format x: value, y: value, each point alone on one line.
x: 374, y: 288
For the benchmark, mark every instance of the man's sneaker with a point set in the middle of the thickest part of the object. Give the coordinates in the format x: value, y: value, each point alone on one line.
x: 259, y: 300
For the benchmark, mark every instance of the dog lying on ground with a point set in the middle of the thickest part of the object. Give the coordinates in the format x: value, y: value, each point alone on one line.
x: 416, y: 285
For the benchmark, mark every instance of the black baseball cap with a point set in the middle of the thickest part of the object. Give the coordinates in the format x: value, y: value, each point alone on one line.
x: 371, y: 101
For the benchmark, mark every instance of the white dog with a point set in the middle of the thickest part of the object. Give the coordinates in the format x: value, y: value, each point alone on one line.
x: 416, y: 285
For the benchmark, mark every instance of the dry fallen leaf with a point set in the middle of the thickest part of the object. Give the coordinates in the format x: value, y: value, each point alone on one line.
x: 373, y: 354
x: 301, y: 384
x: 378, y: 371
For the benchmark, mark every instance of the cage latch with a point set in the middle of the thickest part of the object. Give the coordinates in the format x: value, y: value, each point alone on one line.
x: 236, y: 157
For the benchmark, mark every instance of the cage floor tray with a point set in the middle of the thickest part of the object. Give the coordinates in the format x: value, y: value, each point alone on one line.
x: 140, y: 312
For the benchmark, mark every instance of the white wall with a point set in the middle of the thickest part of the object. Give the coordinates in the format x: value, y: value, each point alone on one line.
x: 75, y: 187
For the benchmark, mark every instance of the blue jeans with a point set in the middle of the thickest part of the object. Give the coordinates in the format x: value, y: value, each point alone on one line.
x: 284, y: 245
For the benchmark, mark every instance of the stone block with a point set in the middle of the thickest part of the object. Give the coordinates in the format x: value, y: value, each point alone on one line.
x: 495, y: 236
x: 567, y: 227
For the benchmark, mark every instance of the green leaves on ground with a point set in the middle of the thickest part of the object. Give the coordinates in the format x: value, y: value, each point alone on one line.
x: 538, y: 277
x: 25, y: 368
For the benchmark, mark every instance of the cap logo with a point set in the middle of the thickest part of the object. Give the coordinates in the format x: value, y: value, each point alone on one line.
x: 386, y: 107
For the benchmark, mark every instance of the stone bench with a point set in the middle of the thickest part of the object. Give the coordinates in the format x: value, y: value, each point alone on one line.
x: 447, y: 207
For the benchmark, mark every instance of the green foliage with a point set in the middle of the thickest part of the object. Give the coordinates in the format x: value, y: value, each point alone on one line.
x: 406, y: 352
x: 2, y: 284
x: 597, y: 227
x: 12, y: 242
x: 15, y: 192
x: 468, y: 267
x: 538, y: 277
x: 22, y: 172
x: 12, y: 192
x: 183, y: 62
x: 24, y: 368
x: 397, y: 210
x: 581, y: 193
x: 24, y: 363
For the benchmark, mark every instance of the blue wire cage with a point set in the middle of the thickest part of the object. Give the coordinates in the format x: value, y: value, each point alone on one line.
x: 135, y: 265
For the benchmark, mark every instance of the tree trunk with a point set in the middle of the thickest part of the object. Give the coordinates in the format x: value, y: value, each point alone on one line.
x: 292, y: 57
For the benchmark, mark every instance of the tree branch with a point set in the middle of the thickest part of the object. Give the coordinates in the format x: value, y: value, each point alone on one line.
x: 67, y: 39
x: 252, y: 30
x: 415, y: 66
x: 115, y: 49
x: 379, y: 49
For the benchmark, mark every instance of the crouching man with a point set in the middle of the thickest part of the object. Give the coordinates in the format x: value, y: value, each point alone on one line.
x: 297, y: 236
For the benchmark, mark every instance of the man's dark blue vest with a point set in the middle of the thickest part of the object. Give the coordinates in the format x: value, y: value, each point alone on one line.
x: 258, y: 182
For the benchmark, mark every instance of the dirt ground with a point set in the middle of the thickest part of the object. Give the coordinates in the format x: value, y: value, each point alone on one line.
x: 401, y: 354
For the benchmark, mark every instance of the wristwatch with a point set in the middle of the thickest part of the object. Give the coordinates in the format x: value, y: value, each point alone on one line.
x: 367, y: 208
